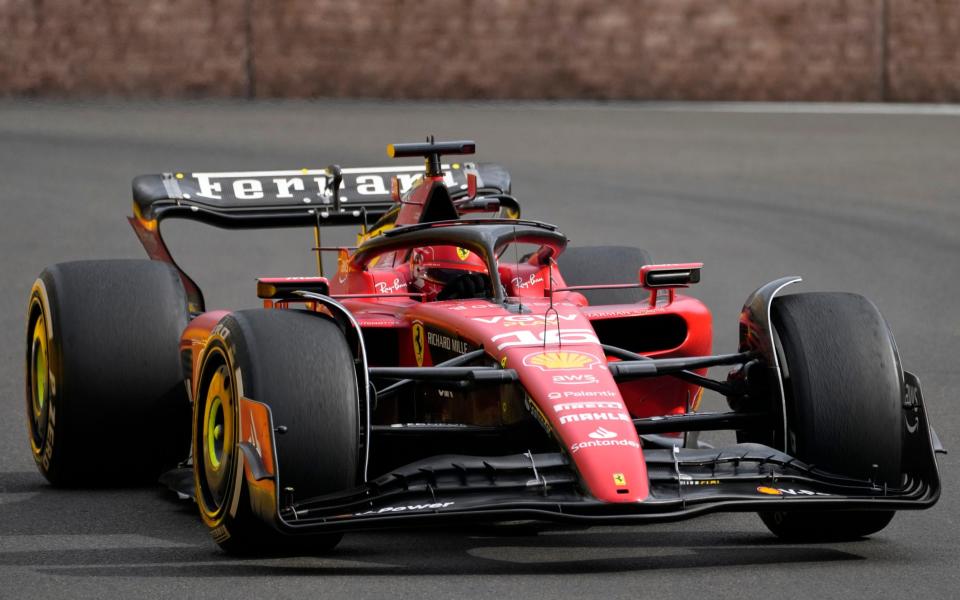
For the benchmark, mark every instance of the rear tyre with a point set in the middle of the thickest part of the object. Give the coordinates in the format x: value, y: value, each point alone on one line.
x: 300, y: 365
x: 106, y: 401
x: 593, y: 265
x: 844, y: 399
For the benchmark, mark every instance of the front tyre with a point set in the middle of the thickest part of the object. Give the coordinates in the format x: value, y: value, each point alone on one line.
x: 843, y: 386
x: 300, y: 365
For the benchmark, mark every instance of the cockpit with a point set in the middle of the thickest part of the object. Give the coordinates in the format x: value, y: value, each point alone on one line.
x: 448, y: 260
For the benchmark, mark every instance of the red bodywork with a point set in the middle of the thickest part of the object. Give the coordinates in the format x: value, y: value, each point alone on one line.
x: 553, y: 345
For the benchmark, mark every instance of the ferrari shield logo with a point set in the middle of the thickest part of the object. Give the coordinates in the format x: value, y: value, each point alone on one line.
x: 619, y: 479
x: 463, y: 253
x: 418, y: 342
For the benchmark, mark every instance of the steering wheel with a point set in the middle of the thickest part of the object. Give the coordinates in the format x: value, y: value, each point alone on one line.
x: 465, y: 286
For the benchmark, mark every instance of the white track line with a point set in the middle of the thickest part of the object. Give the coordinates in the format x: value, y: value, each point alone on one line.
x: 775, y: 108
x: 812, y: 108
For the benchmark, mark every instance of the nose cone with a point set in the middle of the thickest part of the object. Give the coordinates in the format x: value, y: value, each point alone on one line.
x: 574, y: 396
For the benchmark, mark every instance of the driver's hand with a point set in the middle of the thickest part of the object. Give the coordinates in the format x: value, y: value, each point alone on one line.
x: 468, y: 285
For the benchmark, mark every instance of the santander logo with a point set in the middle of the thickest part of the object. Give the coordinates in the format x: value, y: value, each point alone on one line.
x: 602, y: 434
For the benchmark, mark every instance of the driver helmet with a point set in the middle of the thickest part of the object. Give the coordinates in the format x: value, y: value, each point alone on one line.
x: 433, y: 267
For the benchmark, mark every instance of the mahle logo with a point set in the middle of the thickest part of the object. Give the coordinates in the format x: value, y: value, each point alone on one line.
x: 563, y: 360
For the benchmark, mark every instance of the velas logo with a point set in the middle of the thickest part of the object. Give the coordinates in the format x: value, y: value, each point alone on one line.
x: 514, y: 320
x: 561, y: 361
x: 602, y: 434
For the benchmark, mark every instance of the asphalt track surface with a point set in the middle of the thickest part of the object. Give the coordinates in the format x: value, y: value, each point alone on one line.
x: 868, y: 203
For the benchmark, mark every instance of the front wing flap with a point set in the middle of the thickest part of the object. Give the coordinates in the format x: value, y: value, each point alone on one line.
x: 683, y: 484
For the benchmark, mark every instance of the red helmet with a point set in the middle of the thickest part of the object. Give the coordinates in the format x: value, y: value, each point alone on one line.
x: 433, y: 267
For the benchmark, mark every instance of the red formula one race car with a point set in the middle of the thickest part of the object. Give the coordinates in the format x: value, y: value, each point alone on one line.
x: 461, y: 365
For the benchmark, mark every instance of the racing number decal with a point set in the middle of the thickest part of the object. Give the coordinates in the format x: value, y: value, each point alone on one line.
x: 418, y: 342
x: 542, y: 338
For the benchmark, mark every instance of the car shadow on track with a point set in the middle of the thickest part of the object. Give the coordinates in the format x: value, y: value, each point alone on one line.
x: 143, y: 533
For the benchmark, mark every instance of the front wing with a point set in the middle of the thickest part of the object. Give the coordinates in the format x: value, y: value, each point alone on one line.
x: 684, y: 483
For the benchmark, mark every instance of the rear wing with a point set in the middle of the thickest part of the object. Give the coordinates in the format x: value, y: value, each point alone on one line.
x: 271, y: 199
x: 266, y: 199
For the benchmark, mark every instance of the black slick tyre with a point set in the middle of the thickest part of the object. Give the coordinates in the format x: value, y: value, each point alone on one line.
x: 106, y: 400
x: 843, y: 386
x: 301, y: 367
x: 593, y: 265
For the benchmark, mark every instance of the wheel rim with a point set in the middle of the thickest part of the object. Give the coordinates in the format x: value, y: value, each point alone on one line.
x: 39, y: 373
x: 217, y: 448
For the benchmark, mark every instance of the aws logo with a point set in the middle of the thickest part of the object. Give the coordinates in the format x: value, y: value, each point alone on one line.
x: 562, y: 361
x: 575, y: 379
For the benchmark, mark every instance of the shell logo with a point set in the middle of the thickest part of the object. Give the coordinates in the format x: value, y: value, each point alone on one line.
x: 563, y: 360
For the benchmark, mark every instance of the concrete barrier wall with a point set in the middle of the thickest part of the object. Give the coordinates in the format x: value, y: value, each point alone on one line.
x: 826, y: 50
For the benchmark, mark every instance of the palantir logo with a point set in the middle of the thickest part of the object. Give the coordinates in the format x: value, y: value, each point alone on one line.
x: 602, y: 434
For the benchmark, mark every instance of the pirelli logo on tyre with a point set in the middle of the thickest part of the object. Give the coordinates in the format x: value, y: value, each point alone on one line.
x: 220, y: 534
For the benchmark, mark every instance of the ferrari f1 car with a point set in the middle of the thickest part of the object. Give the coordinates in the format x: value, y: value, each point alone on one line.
x: 462, y: 364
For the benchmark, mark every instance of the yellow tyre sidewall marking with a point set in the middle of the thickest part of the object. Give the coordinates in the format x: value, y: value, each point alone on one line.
x: 40, y: 329
x: 231, y: 467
